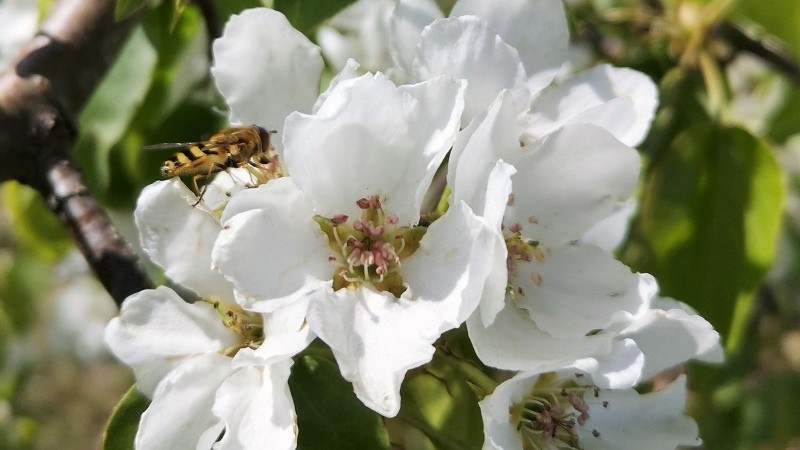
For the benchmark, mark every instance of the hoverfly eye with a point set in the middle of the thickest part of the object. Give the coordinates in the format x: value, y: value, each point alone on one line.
x: 264, y: 135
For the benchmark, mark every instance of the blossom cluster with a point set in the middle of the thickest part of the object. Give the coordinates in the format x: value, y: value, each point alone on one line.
x: 540, y: 170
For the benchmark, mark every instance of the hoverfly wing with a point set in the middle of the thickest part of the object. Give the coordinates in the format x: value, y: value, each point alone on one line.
x: 171, y: 145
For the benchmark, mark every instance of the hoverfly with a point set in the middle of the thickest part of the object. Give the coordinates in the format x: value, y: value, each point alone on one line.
x: 246, y: 146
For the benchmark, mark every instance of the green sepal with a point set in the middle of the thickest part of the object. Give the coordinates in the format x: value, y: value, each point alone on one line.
x: 121, y: 428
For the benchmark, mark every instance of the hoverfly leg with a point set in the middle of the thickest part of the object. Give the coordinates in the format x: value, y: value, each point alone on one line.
x: 258, y: 173
x: 214, y: 168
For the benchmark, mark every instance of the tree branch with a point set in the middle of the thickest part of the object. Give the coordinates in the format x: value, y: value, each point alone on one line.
x: 771, y: 52
x: 40, y: 99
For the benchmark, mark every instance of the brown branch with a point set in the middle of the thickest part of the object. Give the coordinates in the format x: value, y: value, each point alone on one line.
x: 40, y: 99
x: 771, y: 52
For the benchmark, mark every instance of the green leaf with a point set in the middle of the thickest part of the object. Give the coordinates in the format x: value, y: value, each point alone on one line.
x: 710, y: 216
x: 33, y: 224
x: 329, y: 416
x: 307, y: 15
x: 124, y: 422
x: 109, y: 112
x: 439, y: 402
x: 127, y: 8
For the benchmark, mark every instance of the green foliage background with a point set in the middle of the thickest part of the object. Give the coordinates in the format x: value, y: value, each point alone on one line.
x: 717, y: 223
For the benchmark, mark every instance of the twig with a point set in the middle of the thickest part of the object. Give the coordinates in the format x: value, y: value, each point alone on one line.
x: 769, y: 51
x: 40, y: 98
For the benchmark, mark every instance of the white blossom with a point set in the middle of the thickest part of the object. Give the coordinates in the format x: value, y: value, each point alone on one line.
x: 343, y: 231
x: 208, y: 366
x: 564, y: 409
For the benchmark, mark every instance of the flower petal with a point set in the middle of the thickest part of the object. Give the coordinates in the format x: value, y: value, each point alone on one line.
x: 276, y: 254
x: 406, y: 23
x: 620, y: 368
x: 373, y: 138
x: 572, y: 180
x: 464, y: 48
x: 632, y: 418
x: 575, y: 290
x: 156, y: 329
x: 358, y: 31
x: 222, y: 188
x: 672, y: 337
x: 179, y: 237
x: 265, y: 68
x: 376, y: 339
x: 513, y: 342
x: 349, y: 71
x: 536, y: 28
x: 620, y: 100
x: 610, y: 233
x: 257, y: 408
x: 180, y: 414
x: 448, y: 271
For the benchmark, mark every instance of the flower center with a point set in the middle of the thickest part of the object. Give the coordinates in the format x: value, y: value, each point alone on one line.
x: 549, y: 416
x: 369, y: 250
x: 247, y: 325
x: 519, y: 250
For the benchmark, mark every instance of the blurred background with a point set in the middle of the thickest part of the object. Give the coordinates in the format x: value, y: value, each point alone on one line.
x: 717, y: 222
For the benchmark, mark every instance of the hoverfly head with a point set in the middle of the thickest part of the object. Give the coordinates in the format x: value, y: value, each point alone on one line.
x: 265, y: 136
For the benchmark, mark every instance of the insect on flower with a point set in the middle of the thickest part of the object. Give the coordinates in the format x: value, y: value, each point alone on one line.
x: 246, y: 146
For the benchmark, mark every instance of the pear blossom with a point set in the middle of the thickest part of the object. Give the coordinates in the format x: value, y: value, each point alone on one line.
x: 572, y: 299
x: 208, y: 366
x: 344, y: 231
x: 570, y: 145
x: 565, y: 409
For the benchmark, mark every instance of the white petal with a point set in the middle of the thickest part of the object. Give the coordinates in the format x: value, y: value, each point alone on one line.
x: 622, y: 101
x: 536, y: 28
x: 610, y: 233
x: 349, y: 71
x: 257, y: 409
x: 359, y: 31
x: 464, y: 48
x: 448, y: 271
x: 376, y: 339
x: 576, y: 290
x: 276, y: 254
x: 265, y: 69
x: 631, y: 419
x: 222, y: 188
x: 673, y: 337
x: 156, y: 329
x: 476, y: 152
x: 373, y: 138
x: 572, y: 180
x: 179, y: 237
x: 620, y: 368
x: 494, y: 290
x: 478, y: 178
x: 513, y: 342
x: 407, y: 21
x: 286, y: 333
x: 180, y: 414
